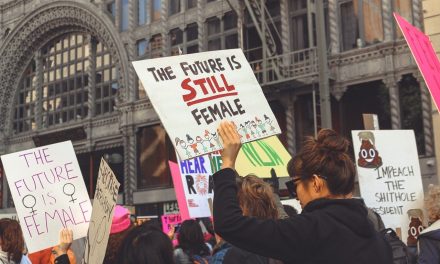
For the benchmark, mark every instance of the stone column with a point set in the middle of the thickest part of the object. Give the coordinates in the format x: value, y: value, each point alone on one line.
x: 417, y: 13
x: 130, y: 162
x: 427, y: 117
x: 91, y: 72
x: 118, y: 9
x: 164, y: 27
x: 39, y: 90
x: 201, y: 25
x: 388, y: 20
x: 393, y: 91
x: 290, y: 124
x: 334, y: 26
x: 240, y: 24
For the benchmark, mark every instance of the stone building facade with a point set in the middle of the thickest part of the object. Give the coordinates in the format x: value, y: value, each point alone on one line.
x: 66, y: 74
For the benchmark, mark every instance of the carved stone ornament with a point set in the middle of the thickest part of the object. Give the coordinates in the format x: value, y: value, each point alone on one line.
x: 50, y: 20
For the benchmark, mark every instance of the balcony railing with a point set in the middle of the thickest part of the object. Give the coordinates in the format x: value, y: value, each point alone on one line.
x: 295, y: 65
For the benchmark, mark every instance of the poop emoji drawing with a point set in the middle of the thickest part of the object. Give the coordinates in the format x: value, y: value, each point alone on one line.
x: 368, y: 154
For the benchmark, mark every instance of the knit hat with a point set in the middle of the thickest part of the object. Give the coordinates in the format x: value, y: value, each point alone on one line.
x: 121, y: 220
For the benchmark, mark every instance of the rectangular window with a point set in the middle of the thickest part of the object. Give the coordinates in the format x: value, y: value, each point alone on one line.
x: 372, y: 24
x: 142, y: 46
x: 154, y: 151
x: 191, y: 4
x: 173, y: 7
x: 176, y: 40
x: 124, y: 15
x: 142, y: 12
x: 156, y: 10
x: 111, y: 7
x: 349, y: 25
x: 404, y: 9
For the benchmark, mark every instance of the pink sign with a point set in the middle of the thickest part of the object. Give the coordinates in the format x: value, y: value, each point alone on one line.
x: 168, y: 220
x: 178, y: 188
x: 425, y: 56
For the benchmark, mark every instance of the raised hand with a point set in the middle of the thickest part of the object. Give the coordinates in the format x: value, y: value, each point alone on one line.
x: 231, y: 143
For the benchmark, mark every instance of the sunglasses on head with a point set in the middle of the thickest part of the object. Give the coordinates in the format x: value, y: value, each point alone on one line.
x: 293, y: 183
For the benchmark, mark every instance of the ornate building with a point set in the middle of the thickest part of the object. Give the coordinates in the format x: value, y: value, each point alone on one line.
x: 66, y: 74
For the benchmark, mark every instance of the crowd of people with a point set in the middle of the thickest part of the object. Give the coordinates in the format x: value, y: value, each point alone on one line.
x: 249, y: 223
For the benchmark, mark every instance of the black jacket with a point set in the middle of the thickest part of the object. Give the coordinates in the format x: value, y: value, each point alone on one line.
x: 327, y: 231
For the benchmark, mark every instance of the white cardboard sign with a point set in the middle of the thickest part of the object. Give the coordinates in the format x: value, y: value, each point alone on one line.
x: 48, y: 192
x: 389, y: 177
x: 106, y: 194
x: 193, y: 93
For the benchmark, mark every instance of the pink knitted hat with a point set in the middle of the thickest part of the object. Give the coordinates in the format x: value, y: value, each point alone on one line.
x: 121, y: 220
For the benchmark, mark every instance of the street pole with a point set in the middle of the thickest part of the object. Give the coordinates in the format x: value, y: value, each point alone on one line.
x: 324, y: 85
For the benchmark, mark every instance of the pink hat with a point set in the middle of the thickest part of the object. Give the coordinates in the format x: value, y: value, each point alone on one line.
x: 121, y: 220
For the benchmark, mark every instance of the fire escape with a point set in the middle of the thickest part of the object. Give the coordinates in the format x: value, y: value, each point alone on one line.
x: 277, y: 67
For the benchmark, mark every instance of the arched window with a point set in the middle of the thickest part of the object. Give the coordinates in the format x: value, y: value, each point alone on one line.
x: 64, y: 69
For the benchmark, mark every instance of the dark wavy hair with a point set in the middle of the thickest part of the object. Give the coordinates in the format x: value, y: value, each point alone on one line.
x: 114, y: 242
x: 146, y: 244
x: 12, y: 240
x: 191, y: 239
x: 327, y: 155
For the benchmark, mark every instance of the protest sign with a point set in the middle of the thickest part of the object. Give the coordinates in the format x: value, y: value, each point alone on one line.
x: 49, y: 193
x: 104, y: 203
x: 193, y: 185
x: 193, y: 93
x: 389, y: 177
x: 168, y: 220
x: 425, y: 56
x: 259, y: 157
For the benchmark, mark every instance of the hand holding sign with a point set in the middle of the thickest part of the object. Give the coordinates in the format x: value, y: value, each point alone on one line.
x: 231, y: 143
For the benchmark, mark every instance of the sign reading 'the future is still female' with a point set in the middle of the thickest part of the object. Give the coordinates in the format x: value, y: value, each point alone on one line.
x: 193, y: 93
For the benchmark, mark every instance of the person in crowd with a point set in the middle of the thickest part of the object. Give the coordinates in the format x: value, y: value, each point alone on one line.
x: 256, y: 199
x: 332, y: 228
x: 121, y: 225
x: 145, y: 244
x: 11, y: 242
x: 192, y: 246
x: 429, y: 239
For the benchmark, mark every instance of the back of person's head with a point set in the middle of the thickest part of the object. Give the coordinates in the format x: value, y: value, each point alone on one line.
x: 432, y: 203
x: 327, y: 156
x: 121, y: 225
x: 256, y: 198
x: 11, y: 239
x: 191, y: 238
x: 146, y: 244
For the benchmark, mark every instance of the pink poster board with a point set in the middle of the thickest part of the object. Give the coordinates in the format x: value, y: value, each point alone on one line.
x: 178, y: 187
x: 168, y: 220
x: 425, y: 56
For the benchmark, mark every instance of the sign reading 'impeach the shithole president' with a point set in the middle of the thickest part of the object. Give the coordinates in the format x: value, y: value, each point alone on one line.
x: 193, y: 93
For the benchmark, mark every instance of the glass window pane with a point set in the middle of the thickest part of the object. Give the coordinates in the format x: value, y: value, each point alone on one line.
x: 142, y: 12
x: 124, y: 15
x: 191, y: 4
x: 141, y: 47
x: 156, y: 10
x: 373, y: 27
x: 349, y: 24
x: 213, y: 26
x: 173, y: 7
x: 192, y: 32
x: 230, y: 20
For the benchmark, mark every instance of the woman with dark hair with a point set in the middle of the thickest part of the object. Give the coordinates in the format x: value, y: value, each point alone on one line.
x: 146, y: 244
x: 192, y: 246
x: 11, y: 241
x: 332, y: 228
